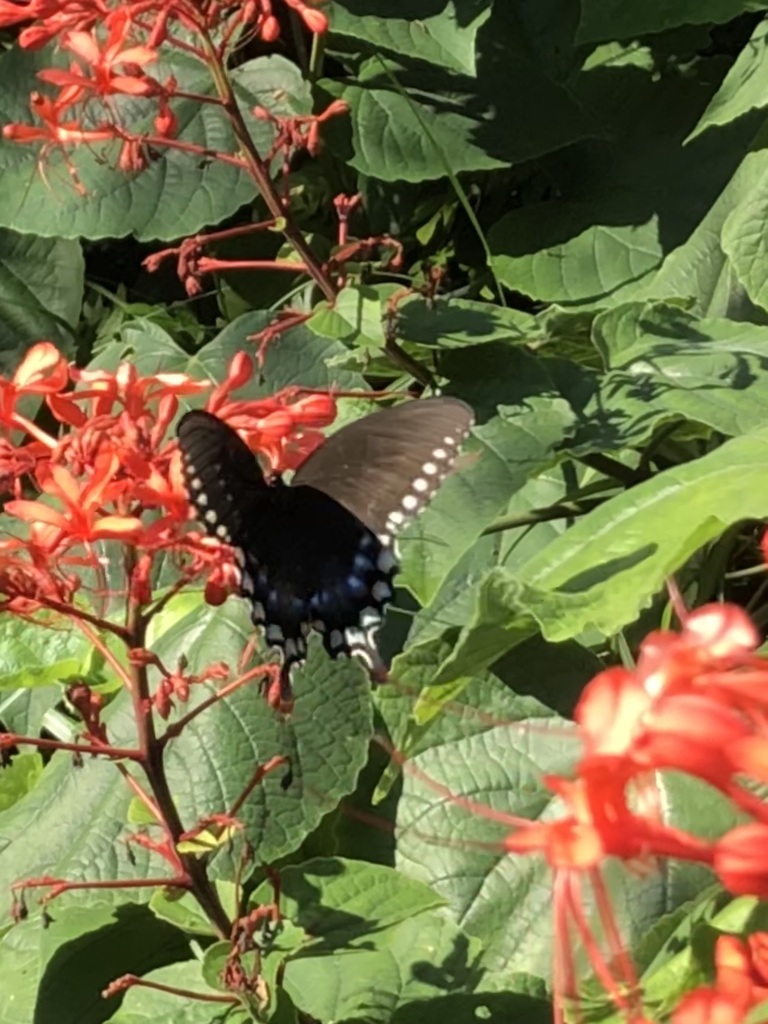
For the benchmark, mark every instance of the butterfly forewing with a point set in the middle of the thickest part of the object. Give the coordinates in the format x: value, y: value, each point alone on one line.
x: 386, y: 467
x: 223, y: 478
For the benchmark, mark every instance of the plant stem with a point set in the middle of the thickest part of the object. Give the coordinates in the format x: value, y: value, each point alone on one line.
x: 260, y: 174
x: 154, y: 768
x: 564, y: 510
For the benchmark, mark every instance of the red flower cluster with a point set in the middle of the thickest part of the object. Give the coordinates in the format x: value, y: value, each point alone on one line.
x: 111, y: 47
x: 114, y: 474
x: 741, y: 983
x: 696, y: 702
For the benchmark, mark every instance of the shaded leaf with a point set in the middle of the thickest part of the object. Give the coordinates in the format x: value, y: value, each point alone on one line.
x: 177, y: 192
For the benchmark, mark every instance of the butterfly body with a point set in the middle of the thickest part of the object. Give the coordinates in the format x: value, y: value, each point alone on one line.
x: 319, y: 554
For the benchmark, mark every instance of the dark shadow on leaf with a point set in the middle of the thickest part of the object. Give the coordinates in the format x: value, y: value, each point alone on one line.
x: 487, y: 1007
x: 598, y: 574
x: 464, y: 11
x: 74, y: 977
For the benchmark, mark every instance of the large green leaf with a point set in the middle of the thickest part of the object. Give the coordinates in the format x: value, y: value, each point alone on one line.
x: 496, y: 758
x: 376, y: 942
x: 662, y: 363
x: 72, y: 826
x: 701, y: 269
x: 73, y: 823
x: 445, y: 120
x: 298, y: 356
x: 512, y: 446
x: 604, y: 570
x: 743, y: 243
x: 624, y: 19
x: 620, y: 205
x: 41, y: 287
x: 325, y: 737
x: 33, y: 655
x: 177, y: 193
x: 744, y: 87
x: 445, y: 37
x: 59, y: 972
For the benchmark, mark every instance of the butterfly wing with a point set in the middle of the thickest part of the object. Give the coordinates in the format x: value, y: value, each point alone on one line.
x: 223, y: 479
x: 305, y: 561
x: 385, y: 467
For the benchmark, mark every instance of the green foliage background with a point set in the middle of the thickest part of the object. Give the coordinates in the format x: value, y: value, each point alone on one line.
x: 592, y: 177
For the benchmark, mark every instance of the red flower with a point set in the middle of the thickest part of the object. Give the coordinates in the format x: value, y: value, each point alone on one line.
x: 103, y: 63
x: 43, y: 371
x: 740, y: 860
x: 80, y: 521
x: 739, y: 984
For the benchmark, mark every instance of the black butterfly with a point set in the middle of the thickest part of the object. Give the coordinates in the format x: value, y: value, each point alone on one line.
x: 320, y: 554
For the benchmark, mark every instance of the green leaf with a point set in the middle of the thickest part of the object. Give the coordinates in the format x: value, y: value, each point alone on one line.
x: 356, y: 317
x: 41, y: 287
x: 572, y: 252
x: 445, y: 37
x: 60, y: 971
x: 701, y: 268
x: 456, y: 323
x: 150, y: 1006
x: 624, y: 19
x: 744, y: 87
x: 19, y: 778
x: 418, y: 959
x: 604, y: 570
x: 341, y: 903
x: 325, y: 737
x: 182, y: 910
x: 177, y: 192
x: 72, y: 826
x: 495, y: 758
x: 662, y: 363
x: 377, y: 942
x: 622, y: 204
x: 32, y: 655
x: 506, y: 451
x: 436, y: 118
x: 298, y: 356
x: 73, y: 823
x: 743, y: 244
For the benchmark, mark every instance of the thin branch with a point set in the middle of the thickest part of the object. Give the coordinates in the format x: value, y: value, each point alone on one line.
x: 259, y: 171
x: 132, y: 981
x: 563, y: 510
x: 10, y: 739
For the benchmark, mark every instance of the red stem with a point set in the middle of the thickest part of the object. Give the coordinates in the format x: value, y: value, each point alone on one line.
x: 10, y: 739
x: 131, y: 981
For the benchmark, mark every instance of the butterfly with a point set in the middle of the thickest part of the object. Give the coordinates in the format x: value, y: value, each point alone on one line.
x: 320, y: 553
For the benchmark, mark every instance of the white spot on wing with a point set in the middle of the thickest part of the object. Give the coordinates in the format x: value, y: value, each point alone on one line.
x: 386, y: 561
x: 210, y: 516
x: 410, y: 503
x: 381, y: 591
x: 420, y: 484
x: 440, y: 453
x: 369, y: 617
